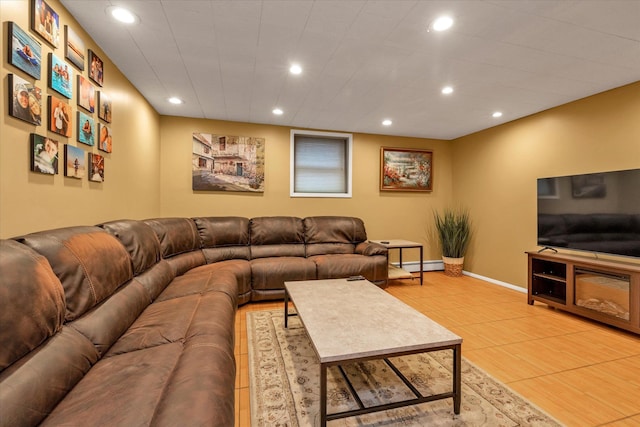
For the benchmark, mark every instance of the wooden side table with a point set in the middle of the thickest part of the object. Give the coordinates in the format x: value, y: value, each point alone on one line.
x: 400, y: 245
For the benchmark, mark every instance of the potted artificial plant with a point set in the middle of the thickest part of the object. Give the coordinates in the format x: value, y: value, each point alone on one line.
x: 453, y: 228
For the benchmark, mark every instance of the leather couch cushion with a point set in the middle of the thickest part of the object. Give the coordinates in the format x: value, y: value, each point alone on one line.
x: 176, y: 235
x: 271, y: 273
x: 277, y: 236
x: 32, y: 301
x: 90, y: 263
x: 333, y: 234
x: 192, y: 284
x: 224, y: 238
x: 240, y: 268
x: 140, y: 241
x: 332, y: 266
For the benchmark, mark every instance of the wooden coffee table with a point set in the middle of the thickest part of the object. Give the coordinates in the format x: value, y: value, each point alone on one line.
x: 351, y: 321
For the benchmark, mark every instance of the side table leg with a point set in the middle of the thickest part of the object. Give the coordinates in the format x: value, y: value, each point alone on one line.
x: 457, y: 378
x: 421, y: 268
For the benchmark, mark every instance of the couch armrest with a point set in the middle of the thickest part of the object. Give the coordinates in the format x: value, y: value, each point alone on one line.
x: 370, y: 248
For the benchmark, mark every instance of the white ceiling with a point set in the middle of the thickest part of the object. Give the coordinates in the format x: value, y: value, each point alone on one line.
x: 365, y: 61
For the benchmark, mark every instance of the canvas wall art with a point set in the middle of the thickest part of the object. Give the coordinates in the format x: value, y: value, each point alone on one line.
x: 405, y: 169
x: 227, y: 163
x: 60, y: 76
x: 74, y: 164
x: 25, y: 100
x: 74, y: 48
x: 25, y: 52
x: 86, y: 129
x: 44, y: 154
x: 105, y: 142
x: 45, y: 21
x: 60, y: 118
x: 96, y: 167
x: 104, y: 106
x: 86, y: 94
x: 96, y: 68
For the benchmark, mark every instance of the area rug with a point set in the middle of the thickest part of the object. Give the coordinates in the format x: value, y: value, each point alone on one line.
x: 284, y: 385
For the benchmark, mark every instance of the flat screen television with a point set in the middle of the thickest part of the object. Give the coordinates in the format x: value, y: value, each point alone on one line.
x: 597, y: 212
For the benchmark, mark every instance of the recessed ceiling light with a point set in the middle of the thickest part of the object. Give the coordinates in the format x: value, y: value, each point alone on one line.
x: 277, y: 111
x: 175, y: 100
x: 497, y: 114
x: 442, y: 23
x: 387, y: 122
x: 295, y: 69
x: 447, y: 90
x: 123, y: 15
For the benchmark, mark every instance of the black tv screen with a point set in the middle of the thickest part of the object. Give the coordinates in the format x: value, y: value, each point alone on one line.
x: 597, y: 212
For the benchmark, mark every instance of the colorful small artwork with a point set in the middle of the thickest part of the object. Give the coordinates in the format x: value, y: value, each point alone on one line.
x: 406, y: 169
x: 105, y: 143
x: 86, y: 94
x: 44, y: 154
x: 60, y: 76
x: 25, y: 100
x: 74, y: 49
x: 45, y: 22
x: 86, y: 129
x: 25, y: 52
x: 104, y: 106
x: 96, y: 167
x: 60, y: 118
x: 96, y: 68
x: 74, y: 164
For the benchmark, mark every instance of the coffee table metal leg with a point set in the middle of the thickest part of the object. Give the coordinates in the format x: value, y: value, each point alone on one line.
x: 457, y: 378
x: 286, y: 309
x: 323, y: 395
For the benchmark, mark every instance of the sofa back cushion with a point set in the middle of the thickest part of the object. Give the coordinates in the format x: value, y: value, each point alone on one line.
x: 277, y: 236
x: 89, y: 262
x: 179, y: 243
x: 333, y: 234
x: 33, y: 301
x: 223, y: 237
x: 139, y: 240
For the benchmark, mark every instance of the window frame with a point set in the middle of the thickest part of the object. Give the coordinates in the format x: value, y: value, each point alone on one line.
x: 348, y: 162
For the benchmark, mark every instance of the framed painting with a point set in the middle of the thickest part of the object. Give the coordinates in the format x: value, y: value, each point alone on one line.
x: 74, y: 48
x: 406, y: 169
x: 60, y: 118
x: 44, y: 154
x: 74, y: 164
x: 86, y: 94
x: 45, y: 21
x: 104, y: 106
x: 60, y: 76
x: 227, y: 163
x: 25, y: 52
x: 105, y: 142
x: 86, y: 129
x: 96, y: 167
x: 25, y: 100
x: 96, y: 68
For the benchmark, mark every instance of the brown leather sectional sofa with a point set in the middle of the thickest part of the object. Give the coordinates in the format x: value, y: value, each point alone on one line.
x: 132, y: 322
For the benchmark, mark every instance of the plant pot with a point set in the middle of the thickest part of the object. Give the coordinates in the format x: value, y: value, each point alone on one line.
x: 453, y: 266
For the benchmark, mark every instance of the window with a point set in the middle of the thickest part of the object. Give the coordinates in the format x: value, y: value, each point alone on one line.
x: 320, y: 164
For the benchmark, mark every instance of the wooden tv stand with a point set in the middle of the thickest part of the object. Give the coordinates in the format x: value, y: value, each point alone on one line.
x: 602, y: 290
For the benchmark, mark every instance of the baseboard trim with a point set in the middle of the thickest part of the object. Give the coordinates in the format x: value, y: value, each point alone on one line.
x: 437, y: 265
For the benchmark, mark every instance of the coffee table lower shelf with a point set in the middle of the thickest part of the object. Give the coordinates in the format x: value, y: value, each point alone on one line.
x: 419, y: 398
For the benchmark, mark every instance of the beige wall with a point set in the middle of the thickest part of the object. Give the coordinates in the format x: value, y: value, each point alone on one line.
x: 30, y: 201
x: 388, y: 215
x: 495, y: 171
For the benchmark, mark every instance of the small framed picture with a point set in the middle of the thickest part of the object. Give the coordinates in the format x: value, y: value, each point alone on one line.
x: 74, y: 48
x: 105, y: 143
x: 25, y: 100
x: 86, y: 94
x: 86, y: 129
x: 74, y: 164
x: 45, y: 21
x: 96, y: 68
x: 60, y: 76
x: 406, y: 169
x: 96, y: 167
x: 60, y: 118
x: 25, y: 52
x: 44, y: 154
x: 104, y: 106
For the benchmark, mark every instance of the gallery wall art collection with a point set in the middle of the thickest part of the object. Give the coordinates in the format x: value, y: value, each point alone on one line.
x: 52, y: 105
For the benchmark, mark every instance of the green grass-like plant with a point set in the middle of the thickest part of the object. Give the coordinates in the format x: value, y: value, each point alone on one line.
x: 453, y: 228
